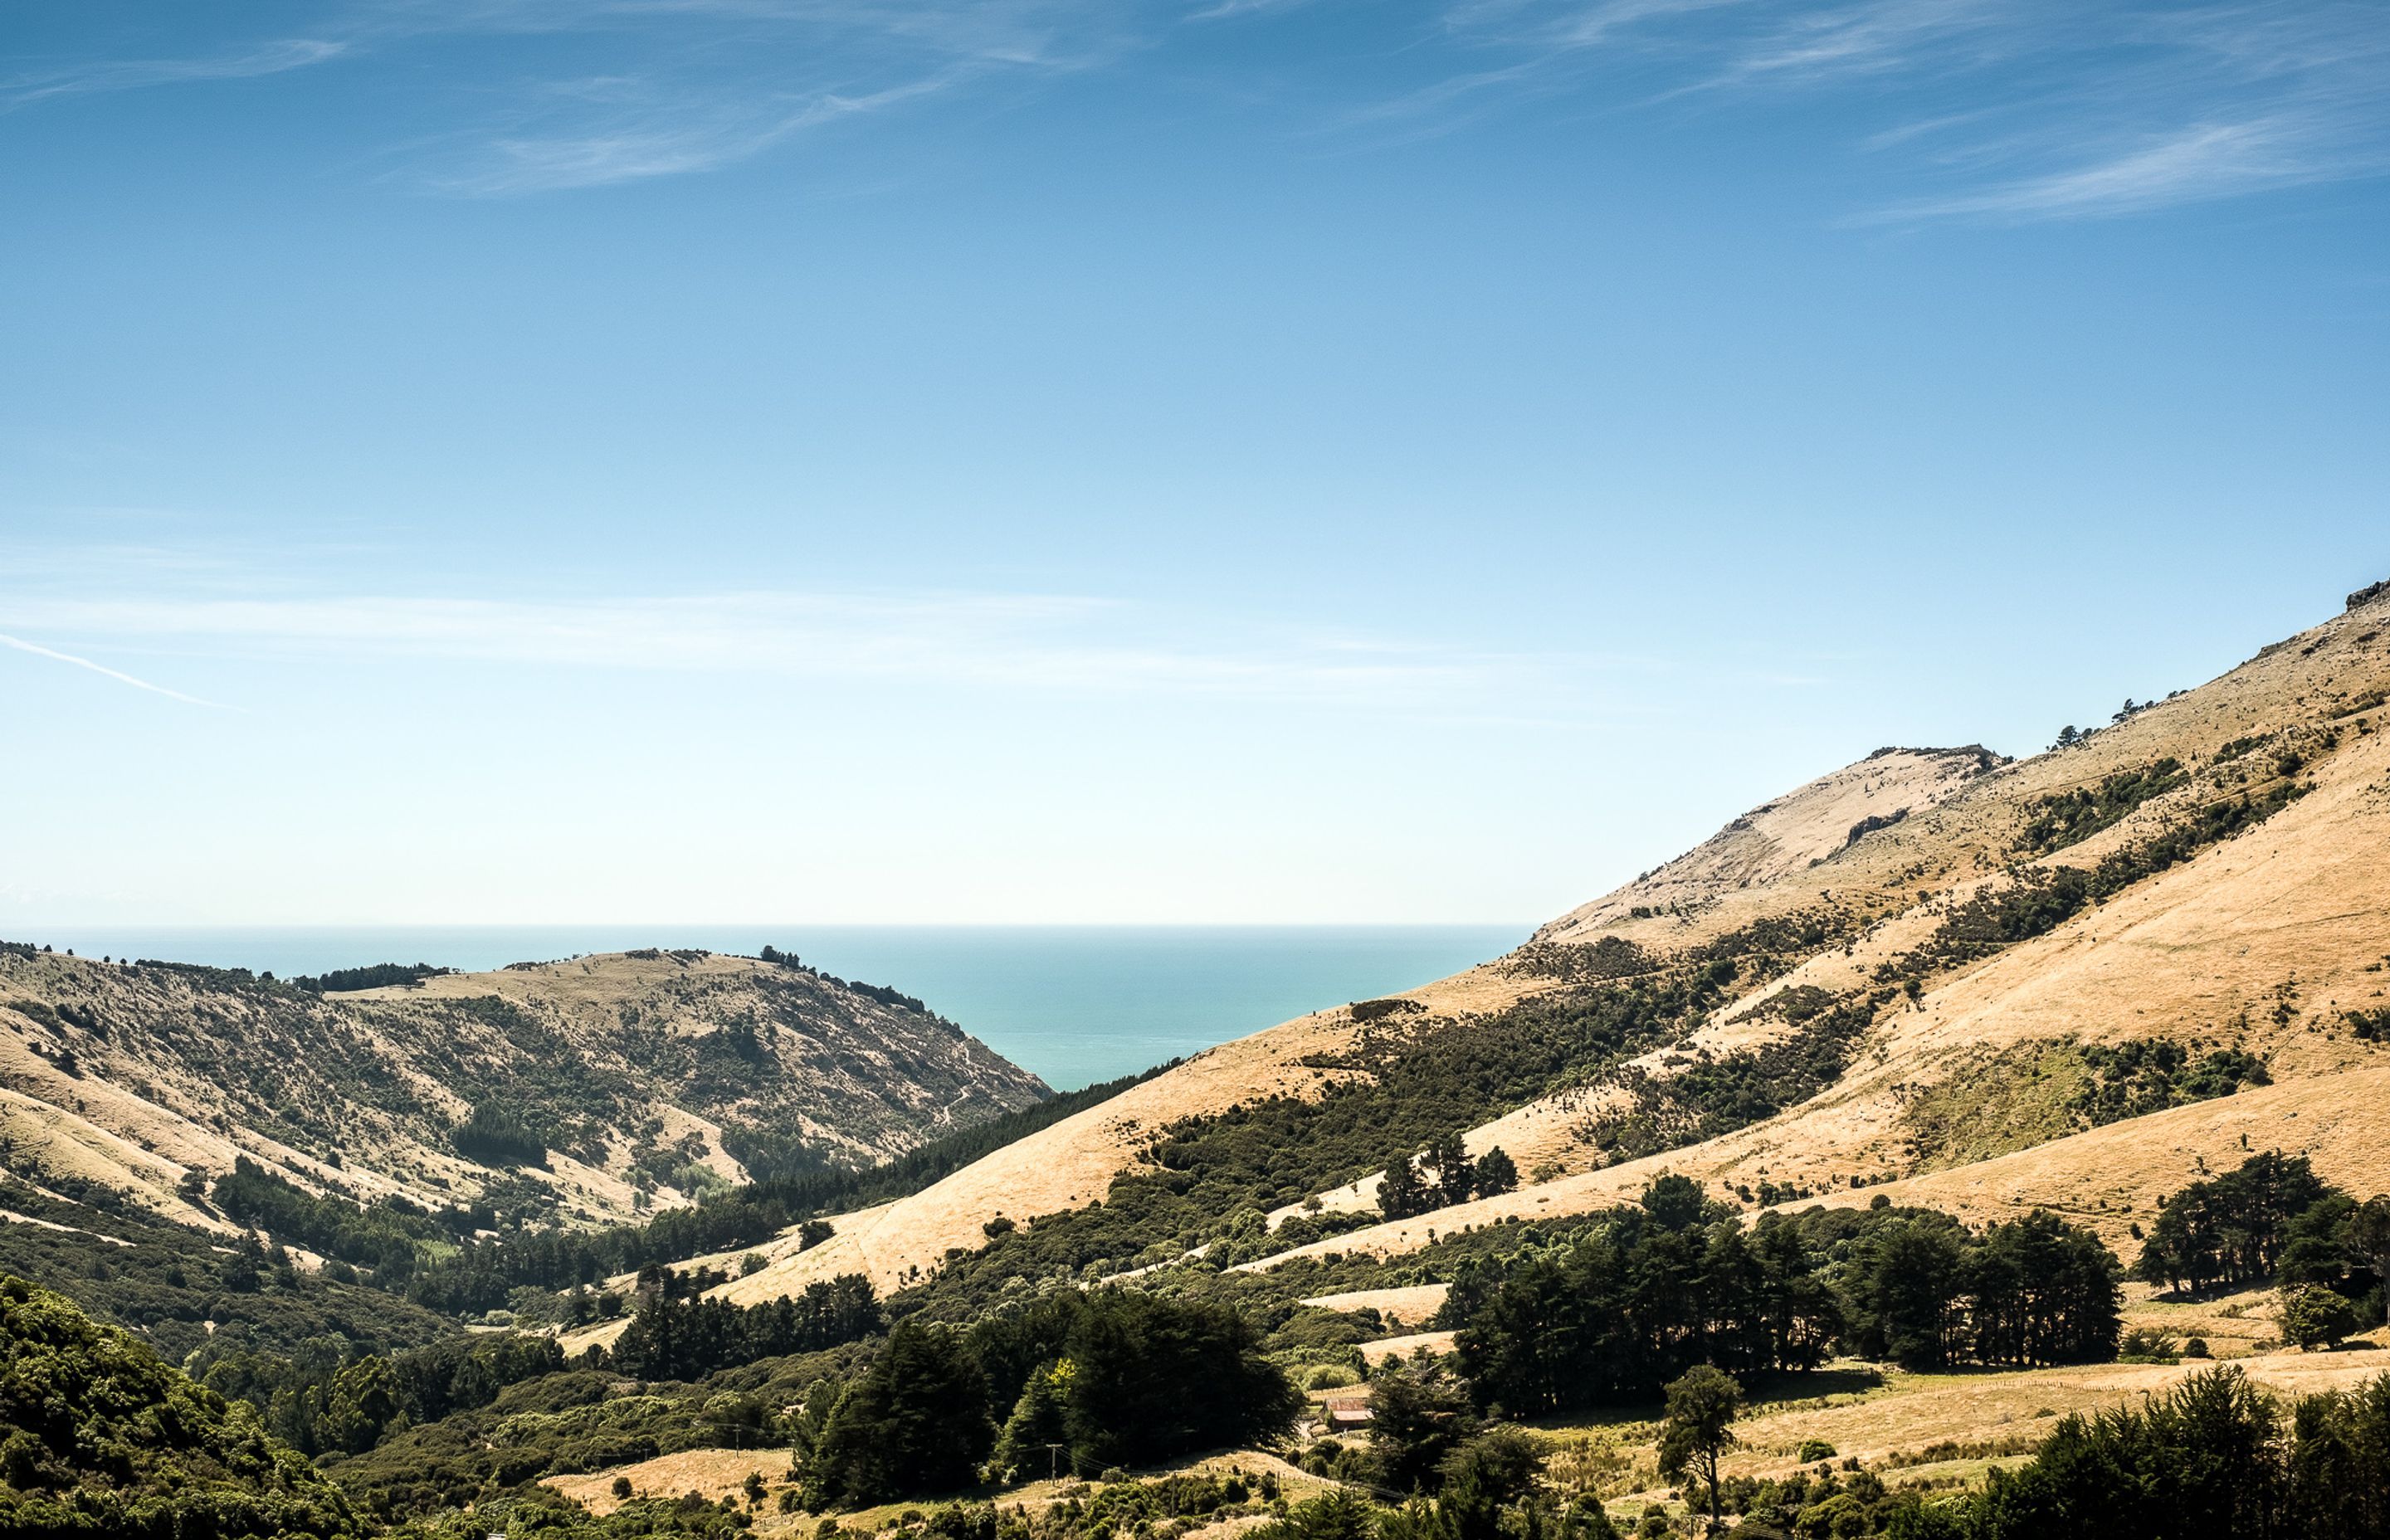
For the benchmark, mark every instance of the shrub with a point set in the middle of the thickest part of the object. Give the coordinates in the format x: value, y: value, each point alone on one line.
x: 2314, y: 1316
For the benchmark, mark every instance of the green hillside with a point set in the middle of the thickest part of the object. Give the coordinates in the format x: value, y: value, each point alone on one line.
x: 100, y: 1437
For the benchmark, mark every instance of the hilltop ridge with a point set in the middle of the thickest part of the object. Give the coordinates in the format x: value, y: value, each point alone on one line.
x: 1803, y: 828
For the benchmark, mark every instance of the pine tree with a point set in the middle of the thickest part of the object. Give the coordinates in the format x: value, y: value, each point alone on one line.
x: 916, y: 1422
x: 1496, y: 1173
x: 1402, y: 1194
x: 1027, y: 1446
x: 1416, y: 1416
x: 1456, y: 1176
x: 1702, y: 1405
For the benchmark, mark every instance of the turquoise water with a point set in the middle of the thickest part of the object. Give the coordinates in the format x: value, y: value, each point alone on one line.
x: 1074, y: 1004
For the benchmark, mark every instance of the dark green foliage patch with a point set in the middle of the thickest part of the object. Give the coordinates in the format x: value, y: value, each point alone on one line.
x: 2068, y: 818
x: 98, y: 1437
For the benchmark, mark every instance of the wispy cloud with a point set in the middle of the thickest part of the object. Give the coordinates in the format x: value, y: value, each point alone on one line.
x: 1878, y: 37
x: 2215, y: 103
x: 1614, y: 21
x: 708, y: 83
x: 699, y: 83
x: 2204, y: 161
x: 21, y: 645
x: 1044, y: 643
x: 1982, y: 108
x: 655, y: 142
x: 2037, y: 111
x: 271, y: 59
x: 1444, y: 105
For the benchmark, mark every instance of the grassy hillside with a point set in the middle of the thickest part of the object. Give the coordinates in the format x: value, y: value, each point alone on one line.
x: 1929, y: 960
x: 592, y: 1088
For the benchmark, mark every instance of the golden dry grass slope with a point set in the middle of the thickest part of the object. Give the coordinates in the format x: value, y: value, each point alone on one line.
x: 2264, y: 941
x: 635, y: 1069
x: 1071, y: 1163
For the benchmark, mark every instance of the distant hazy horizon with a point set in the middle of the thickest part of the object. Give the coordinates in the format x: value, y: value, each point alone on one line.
x: 1072, y: 1004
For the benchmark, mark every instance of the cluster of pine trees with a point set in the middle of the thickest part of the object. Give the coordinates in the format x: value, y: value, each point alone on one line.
x: 1441, y: 1175
x: 2240, y: 1227
x: 674, y: 1338
x: 1082, y: 1382
x: 1619, y: 1307
x: 1923, y: 1290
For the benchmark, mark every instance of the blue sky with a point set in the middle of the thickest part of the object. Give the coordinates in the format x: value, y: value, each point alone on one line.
x: 1272, y: 461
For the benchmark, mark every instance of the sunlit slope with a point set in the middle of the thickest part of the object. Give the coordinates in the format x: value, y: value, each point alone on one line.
x: 1071, y: 1163
x: 1748, y: 868
x: 2262, y: 937
x: 636, y: 1071
x: 2266, y: 942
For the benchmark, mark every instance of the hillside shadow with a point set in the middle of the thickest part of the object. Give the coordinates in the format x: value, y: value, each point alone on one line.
x: 1774, y: 1387
x: 1811, y: 1384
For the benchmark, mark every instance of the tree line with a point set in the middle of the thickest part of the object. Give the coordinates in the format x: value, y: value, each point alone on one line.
x: 320, y: 1404
x: 670, y: 1339
x: 2216, y: 1458
x: 1617, y: 1308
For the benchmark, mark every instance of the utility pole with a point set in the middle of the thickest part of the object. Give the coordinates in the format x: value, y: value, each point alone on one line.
x: 1054, y: 1462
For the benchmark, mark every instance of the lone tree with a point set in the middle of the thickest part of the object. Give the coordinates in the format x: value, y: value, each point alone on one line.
x: 1676, y: 1202
x: 1483, y: 1476
x: 2314, y: 1316
x: 1701, y: 1407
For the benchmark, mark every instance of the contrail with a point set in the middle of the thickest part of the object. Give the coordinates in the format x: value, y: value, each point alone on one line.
x: 102, y: 668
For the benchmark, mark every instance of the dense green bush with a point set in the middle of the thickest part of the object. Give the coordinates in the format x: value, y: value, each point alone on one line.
x: 1707, y: 1096
x: 389, y: 1234
x: 2043, y: 898
x: 2068, y: 818
x: 538, y: 1514
x: 2217, y: 1456
x: 181, y: 1289
x: 99, y: 1438
x: 2149, y: 1074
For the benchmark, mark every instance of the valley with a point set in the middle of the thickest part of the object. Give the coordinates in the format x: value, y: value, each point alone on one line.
x: 1956, y: 1105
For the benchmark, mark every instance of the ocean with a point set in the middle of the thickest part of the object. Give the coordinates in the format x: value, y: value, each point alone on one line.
x: 1074, y: 1004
